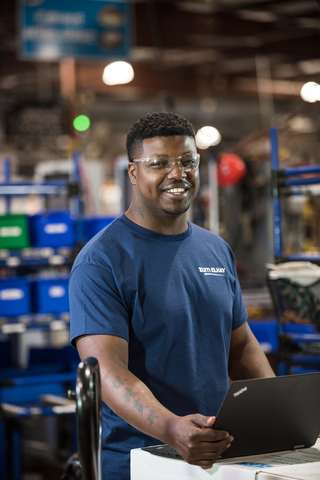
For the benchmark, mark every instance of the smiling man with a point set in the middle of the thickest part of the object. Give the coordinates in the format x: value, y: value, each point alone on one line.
x: 157, y: 301
x: 165, y: 181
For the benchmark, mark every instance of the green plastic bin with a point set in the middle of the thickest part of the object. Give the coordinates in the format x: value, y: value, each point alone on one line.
x: 14, y: 231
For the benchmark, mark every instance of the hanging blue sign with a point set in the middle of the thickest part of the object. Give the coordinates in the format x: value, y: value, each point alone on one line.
x: 88, y: 29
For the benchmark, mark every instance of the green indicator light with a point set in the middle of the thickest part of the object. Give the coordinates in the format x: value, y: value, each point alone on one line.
x: 81, y: 123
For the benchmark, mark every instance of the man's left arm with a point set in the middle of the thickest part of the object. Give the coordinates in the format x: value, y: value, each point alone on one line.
x: 246, y: 357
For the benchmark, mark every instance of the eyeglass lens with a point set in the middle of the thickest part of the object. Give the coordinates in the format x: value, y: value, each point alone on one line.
x: 166, y: 164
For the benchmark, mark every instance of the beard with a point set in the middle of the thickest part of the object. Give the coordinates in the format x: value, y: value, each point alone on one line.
x: 177, y: 210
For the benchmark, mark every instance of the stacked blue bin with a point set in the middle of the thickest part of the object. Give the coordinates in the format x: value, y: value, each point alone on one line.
x: 50, y: 294
x: 15, y: 297
x: 52, y: 229
x: 42, y: 294
x: 88, y: 227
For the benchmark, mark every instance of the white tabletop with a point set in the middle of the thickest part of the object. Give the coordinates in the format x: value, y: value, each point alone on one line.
x: 302, y: 464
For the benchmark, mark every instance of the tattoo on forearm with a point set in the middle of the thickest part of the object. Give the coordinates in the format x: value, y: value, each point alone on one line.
x: 128, y: 394
x: 117, y: 382
x: 139, y: 406
x: 151, y: 416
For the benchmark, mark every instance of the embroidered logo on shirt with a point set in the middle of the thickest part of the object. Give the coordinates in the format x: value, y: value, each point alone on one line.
x: 218, y: 272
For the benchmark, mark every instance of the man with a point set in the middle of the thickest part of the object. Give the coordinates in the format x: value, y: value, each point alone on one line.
x: 157, y: 301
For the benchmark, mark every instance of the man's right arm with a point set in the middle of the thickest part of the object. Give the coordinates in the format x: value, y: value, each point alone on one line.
x: 132, y: 400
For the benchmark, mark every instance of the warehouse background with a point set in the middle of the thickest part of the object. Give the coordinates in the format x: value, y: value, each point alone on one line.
x: 236, y: 65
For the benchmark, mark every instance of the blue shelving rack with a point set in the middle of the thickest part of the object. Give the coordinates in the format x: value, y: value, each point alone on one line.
x: 10, y: 189
x: 43, y: 256
x: 288, y: 182
x: 14, y: 383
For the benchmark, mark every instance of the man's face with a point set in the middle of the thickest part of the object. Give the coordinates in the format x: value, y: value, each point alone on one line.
x: 164, y: 193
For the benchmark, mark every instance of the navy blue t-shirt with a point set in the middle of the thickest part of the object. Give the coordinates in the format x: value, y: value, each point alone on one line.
x: 175, y: 299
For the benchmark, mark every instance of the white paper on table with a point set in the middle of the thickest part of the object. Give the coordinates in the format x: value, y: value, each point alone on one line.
x: 310, y: 471
x: 289, y: 463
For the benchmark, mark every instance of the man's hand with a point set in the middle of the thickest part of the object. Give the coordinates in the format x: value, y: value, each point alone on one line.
x: 191, y: 435
x: 197, y: 442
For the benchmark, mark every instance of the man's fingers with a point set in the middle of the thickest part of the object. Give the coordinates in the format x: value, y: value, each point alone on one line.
x: 206, y: 467
x: 199, y: 444
x: 214, y: 446
x: 202, y: 421
x: 210, y: 435
x: 209, y: 453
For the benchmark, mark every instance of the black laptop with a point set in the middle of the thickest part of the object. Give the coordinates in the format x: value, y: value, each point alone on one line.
x: 266, y: 415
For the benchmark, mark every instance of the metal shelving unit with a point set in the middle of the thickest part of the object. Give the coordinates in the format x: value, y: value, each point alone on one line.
x: 294, y: 353
x: 43, y: 256
x: 37, y: 393
x: 285, y: 182
x: 10, y: 189
x: 36, y: 256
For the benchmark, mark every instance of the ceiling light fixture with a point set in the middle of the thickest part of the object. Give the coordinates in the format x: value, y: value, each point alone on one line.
x: 310, y: 92
x: 117, y: 73
x: 207, y: 136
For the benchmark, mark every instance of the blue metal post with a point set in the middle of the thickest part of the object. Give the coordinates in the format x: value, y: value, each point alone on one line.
x: 16, y: 454
x: 6, y: 179
x: 275, y: 194
x: 3, y: 463
x: 302, y: 181
x: 78, y: 201
x: 291, y: 171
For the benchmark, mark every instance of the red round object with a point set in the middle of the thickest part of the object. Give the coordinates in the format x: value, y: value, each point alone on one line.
x: 231, y: 169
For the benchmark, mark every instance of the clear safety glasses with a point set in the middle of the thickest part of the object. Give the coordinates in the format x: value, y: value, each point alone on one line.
x: 164, y: 163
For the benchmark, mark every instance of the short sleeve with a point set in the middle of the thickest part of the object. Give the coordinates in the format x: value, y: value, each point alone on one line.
x: 240, y: 315
x: 95, y: 304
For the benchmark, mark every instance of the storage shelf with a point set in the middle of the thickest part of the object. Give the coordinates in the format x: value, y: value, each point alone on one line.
x: 37, y: 256
x: 49, y: 321
x: 281, y: 186
x: 17, y: 189
x: 16, y: 411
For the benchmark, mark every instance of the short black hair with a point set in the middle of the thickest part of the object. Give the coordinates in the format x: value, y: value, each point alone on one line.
x: 157, y: 124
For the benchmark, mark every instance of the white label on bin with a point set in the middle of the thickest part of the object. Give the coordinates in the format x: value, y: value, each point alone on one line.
x: 13, y: 328
x: 11, y: 294
x: 56, y: 291
x: 10, y: 232
x: 13, y: 261
x: 56, y: 260
x: 58, y: 325
x: 55, y: 228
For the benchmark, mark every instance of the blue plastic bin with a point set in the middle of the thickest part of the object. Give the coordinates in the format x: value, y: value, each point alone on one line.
x: 52, y: 229
x: 298, y: 328
x: 88, y: 227
x: 266, y: 332
x: 15, y: 297
x: 50, y: 294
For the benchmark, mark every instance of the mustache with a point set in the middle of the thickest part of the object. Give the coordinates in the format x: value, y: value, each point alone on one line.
x: 181, y: 183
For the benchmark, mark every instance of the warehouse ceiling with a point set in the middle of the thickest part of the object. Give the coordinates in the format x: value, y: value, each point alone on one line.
x: 243, y: 58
